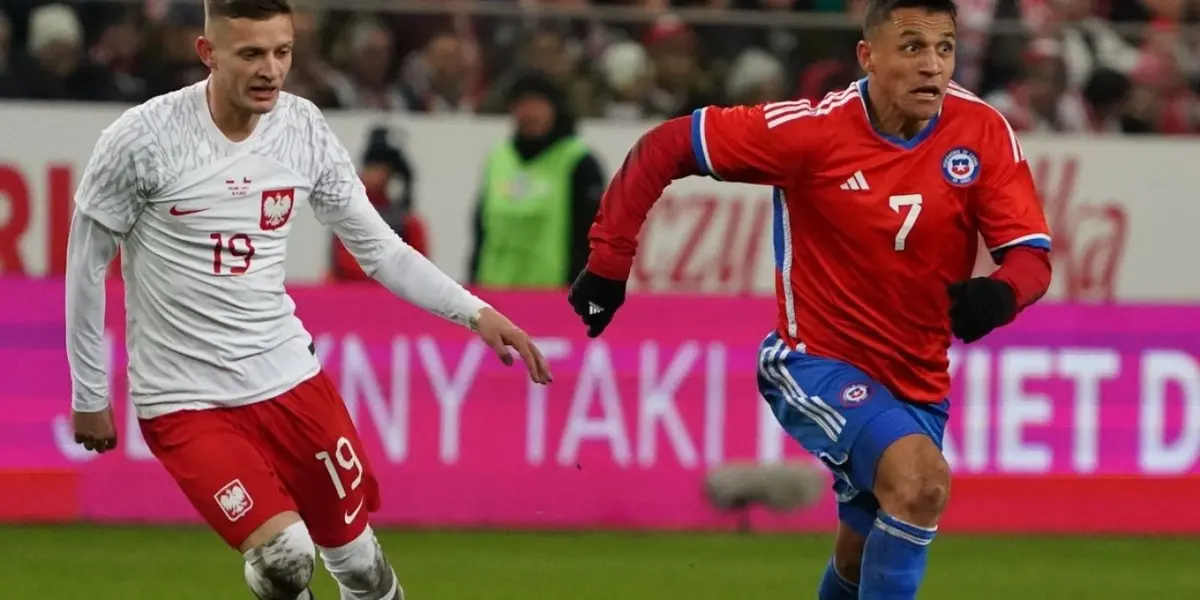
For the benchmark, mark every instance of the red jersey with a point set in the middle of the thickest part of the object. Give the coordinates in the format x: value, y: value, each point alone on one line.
x: 869, y: 229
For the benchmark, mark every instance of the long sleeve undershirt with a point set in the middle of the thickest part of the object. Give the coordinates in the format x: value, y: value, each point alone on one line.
x: 398, y: 267
x: 90, y: 249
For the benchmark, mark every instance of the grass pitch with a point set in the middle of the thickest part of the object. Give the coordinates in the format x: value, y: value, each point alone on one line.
x: 136, y: 563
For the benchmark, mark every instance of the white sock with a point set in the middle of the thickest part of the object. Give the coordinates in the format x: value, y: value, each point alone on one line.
x: 362, y: 571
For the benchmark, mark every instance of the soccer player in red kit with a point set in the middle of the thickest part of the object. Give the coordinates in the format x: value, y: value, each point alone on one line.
x: 198, y: 189
x: 881, y: 192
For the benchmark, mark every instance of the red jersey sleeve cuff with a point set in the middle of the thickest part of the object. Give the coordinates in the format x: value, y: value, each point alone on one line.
x: 609, y: 267
x: 1027, y: 271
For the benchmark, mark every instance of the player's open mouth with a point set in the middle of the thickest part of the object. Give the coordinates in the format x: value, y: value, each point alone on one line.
x: 927, y: 92
x: 263, y: 92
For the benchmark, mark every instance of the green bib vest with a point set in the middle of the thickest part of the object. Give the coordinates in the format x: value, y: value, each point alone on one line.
x: 526, y: 216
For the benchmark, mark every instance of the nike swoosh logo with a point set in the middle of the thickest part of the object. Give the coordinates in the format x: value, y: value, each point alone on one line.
x: 175, y: 211
x: 350, y: 516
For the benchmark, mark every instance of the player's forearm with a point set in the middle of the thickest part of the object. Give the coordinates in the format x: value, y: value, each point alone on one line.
x: 1027, y: 271
x: 90, y: 249
x: 661, y: 156
x: 404, y: 271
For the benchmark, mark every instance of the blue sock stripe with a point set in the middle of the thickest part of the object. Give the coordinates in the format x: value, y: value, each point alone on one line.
x: 894, y: 527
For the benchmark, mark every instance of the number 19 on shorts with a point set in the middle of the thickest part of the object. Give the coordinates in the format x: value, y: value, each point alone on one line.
x: 345, y: 459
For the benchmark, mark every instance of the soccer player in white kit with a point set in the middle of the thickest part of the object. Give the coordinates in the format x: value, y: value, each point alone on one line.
x: 198, y: 189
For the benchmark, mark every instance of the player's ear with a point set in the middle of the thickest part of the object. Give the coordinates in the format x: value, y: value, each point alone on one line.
x: 863, y: 51
x: 204, y: 48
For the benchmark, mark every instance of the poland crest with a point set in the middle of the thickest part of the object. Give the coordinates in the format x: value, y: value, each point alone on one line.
x: 276, y: 208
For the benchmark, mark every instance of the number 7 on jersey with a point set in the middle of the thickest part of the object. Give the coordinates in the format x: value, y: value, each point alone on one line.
x: 913, y: 202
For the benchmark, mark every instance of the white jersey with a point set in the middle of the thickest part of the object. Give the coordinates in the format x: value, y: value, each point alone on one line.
x: 203, y: 224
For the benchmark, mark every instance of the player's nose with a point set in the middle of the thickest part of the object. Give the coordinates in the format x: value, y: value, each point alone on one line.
x: 932, y: 67
x: 273, y: 70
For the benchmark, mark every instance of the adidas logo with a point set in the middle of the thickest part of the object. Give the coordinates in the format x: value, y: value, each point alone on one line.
x: 594, y: 309
x: 856, y: 183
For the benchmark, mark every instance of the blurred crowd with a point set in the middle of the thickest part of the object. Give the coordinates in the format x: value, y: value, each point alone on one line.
x: 1104, y: 66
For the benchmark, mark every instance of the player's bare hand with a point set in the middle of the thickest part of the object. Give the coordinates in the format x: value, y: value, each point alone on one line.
x: 95, y: 431
x: 500, y: 334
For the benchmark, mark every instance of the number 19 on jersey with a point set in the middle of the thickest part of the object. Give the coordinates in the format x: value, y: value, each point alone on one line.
x: 238, y: 247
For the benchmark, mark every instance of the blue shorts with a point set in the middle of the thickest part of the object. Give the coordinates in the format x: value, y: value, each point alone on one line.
x: 845, y: 418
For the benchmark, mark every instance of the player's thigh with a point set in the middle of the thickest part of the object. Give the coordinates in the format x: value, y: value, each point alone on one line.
x: 839, y: 413
x: 320, y: 458
x: 821, y: 403
x: 904, y: 440
x: 220, y: 470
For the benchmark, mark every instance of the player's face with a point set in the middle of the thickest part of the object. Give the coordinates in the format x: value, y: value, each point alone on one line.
x: 250, y: 59
x: 911, y: 59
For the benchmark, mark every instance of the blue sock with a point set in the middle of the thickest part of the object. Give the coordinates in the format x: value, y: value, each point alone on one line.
x: 836, y: 587
x: 894, y: 559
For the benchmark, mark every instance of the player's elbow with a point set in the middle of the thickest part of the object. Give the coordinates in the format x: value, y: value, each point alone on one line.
x: 384, y: 252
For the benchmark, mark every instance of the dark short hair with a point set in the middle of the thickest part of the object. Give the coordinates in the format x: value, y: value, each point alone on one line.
x: 258, y: 10
x: 1106, y: 88
x: 880, y: 11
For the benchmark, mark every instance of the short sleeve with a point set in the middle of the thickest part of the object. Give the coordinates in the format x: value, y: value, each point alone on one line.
x: 338, y: 185
x: 110, y: 190
x: 1009, y: 210
x: 762, y: 144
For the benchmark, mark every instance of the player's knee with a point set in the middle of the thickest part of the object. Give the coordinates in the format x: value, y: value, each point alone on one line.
x: 913, y: 480
x: 361, y: 569
x: 283, y: 566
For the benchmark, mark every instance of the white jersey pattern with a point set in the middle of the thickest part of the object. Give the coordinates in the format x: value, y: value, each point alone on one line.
x: 203, y: 224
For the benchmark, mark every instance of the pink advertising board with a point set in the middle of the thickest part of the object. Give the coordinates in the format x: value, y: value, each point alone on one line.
x: 1057, y: 419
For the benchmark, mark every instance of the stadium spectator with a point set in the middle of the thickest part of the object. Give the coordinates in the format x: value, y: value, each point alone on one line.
x: 546, y: 51
x: 625, y: 72
x: 372, y: 84
x: 453, y: 57
x: 312, y: 76
x: 8, y: 83
x: 115, y: 52
x: 1090, y: 42
x: 679, y: 85
x: 1107, y: 95
x: 538, y: 195
x: 756, y: 77
x: 57, y: 67
x: 1161, y: 98
x: 172, y: 50
x: 1039, y: 99
x: 443, y: 78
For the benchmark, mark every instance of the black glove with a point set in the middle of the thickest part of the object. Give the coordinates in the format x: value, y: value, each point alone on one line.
x: 596, y: 299
x: 979, y: 305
